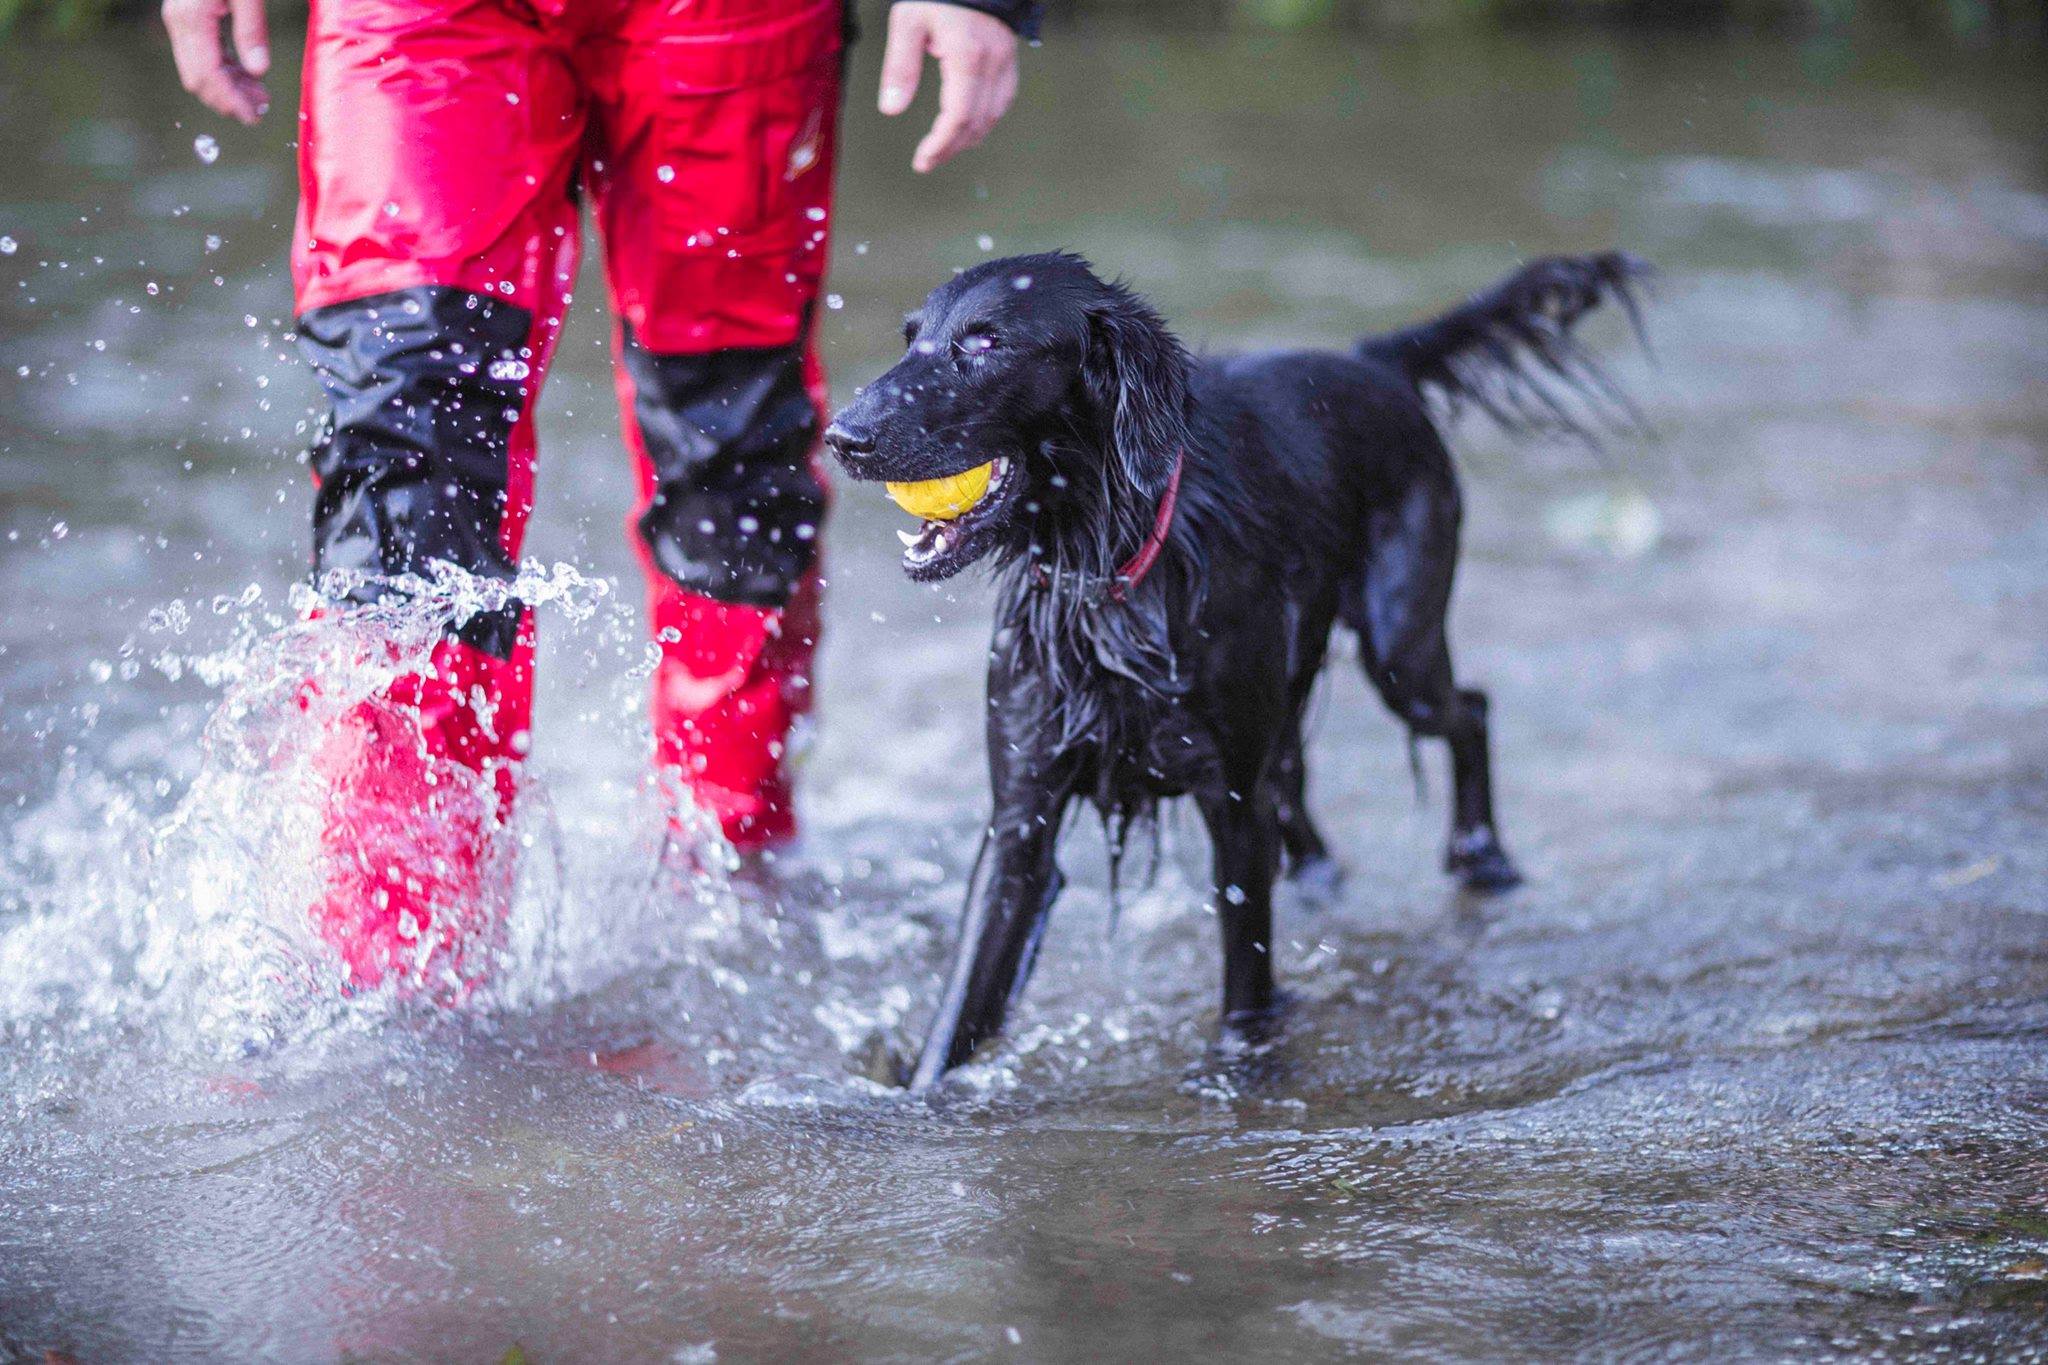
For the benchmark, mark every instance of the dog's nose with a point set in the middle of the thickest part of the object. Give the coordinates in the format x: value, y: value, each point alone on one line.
x: 846, y: 440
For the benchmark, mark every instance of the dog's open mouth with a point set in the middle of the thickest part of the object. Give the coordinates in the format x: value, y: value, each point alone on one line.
x: 960, y: 508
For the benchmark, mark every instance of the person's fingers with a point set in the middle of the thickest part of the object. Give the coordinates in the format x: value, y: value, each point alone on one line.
x: 957, y: 127
x: 251, y: 97
x: 1005, y: 91
x: 194, y: 26
x: 977, y: 59
x: 203, y: 69
x: 903, y: 58
x: 983, y: 74
x: 998, y: 88
x: 252, y: 35
x: 234, y: 92
x: 982, y: 65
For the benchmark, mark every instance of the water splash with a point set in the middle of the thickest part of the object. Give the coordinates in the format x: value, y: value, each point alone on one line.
x: 187, y: 935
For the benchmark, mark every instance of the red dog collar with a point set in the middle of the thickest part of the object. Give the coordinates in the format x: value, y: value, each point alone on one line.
x: 1134, y: 570
x: 1138, y: 565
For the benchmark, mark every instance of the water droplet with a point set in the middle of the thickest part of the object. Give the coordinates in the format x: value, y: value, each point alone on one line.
x: 212, y: 243
x: 815, y: 214
x: 152, y: 289
x: 206, y: 148
x: 834, y: 301
x: 985, y: 242
x: 1021, y: 282
x: 8, y: 246
x: 664, y: 174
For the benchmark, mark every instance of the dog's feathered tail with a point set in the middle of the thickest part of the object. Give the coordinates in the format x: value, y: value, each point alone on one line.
x: 1510, y: 352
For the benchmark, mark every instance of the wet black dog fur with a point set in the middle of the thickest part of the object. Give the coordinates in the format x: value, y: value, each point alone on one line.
x: 1315, y: 490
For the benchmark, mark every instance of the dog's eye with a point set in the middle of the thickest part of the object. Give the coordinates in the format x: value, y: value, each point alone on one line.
x: 976, y: 343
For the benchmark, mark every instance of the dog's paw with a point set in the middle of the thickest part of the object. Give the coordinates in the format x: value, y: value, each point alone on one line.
x: 1316, y: 879
x: 1486, y: 871
x: 1250, y: 1031
x: 880, y: 1060
x: 1244, y: 1059
x: 1480, y: 864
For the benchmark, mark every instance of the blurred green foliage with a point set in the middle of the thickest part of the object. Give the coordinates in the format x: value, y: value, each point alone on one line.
x: 60, y: 16
x: 1960, y: 18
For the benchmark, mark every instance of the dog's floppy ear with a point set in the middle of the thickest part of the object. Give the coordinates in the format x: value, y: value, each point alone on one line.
x: 1137, y: 373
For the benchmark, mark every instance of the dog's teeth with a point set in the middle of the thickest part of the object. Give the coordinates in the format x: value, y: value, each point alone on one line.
x: 907, y: 537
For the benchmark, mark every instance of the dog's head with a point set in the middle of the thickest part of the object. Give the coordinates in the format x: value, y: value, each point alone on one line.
x: 1069, y: 388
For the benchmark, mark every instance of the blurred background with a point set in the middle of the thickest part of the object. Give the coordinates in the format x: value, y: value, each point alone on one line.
x: 1754, y: 1065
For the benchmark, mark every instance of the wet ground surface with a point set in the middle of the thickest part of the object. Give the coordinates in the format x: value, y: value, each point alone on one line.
x: 1756, y: 1065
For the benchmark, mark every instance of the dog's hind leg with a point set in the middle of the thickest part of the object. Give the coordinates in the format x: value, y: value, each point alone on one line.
x: 1432, y: 704
x: 1399, y: 613
x: 1475, y: 854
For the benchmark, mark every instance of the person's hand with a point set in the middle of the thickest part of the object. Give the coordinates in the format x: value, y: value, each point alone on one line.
x: 977, y: 56
x: 230, y: 85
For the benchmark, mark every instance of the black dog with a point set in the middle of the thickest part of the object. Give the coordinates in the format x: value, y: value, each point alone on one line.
x: 1174, y: 539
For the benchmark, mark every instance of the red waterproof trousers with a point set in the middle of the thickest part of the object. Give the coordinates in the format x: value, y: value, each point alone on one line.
x: 445, y: 149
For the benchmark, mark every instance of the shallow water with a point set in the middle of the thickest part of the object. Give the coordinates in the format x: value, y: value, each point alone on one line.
x: 1757, y: 1065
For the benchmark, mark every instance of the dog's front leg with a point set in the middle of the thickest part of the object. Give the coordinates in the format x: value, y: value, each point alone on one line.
x: 1016, y: 880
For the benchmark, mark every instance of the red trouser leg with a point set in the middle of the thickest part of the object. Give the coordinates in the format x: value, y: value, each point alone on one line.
x: 431, y: 281
x: 734, y: 677
x: 732, y: 682
x: 714, y: 198
x: 418, y: 782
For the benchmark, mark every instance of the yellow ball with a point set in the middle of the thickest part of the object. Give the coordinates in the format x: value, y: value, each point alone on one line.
x: 943, y: 499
